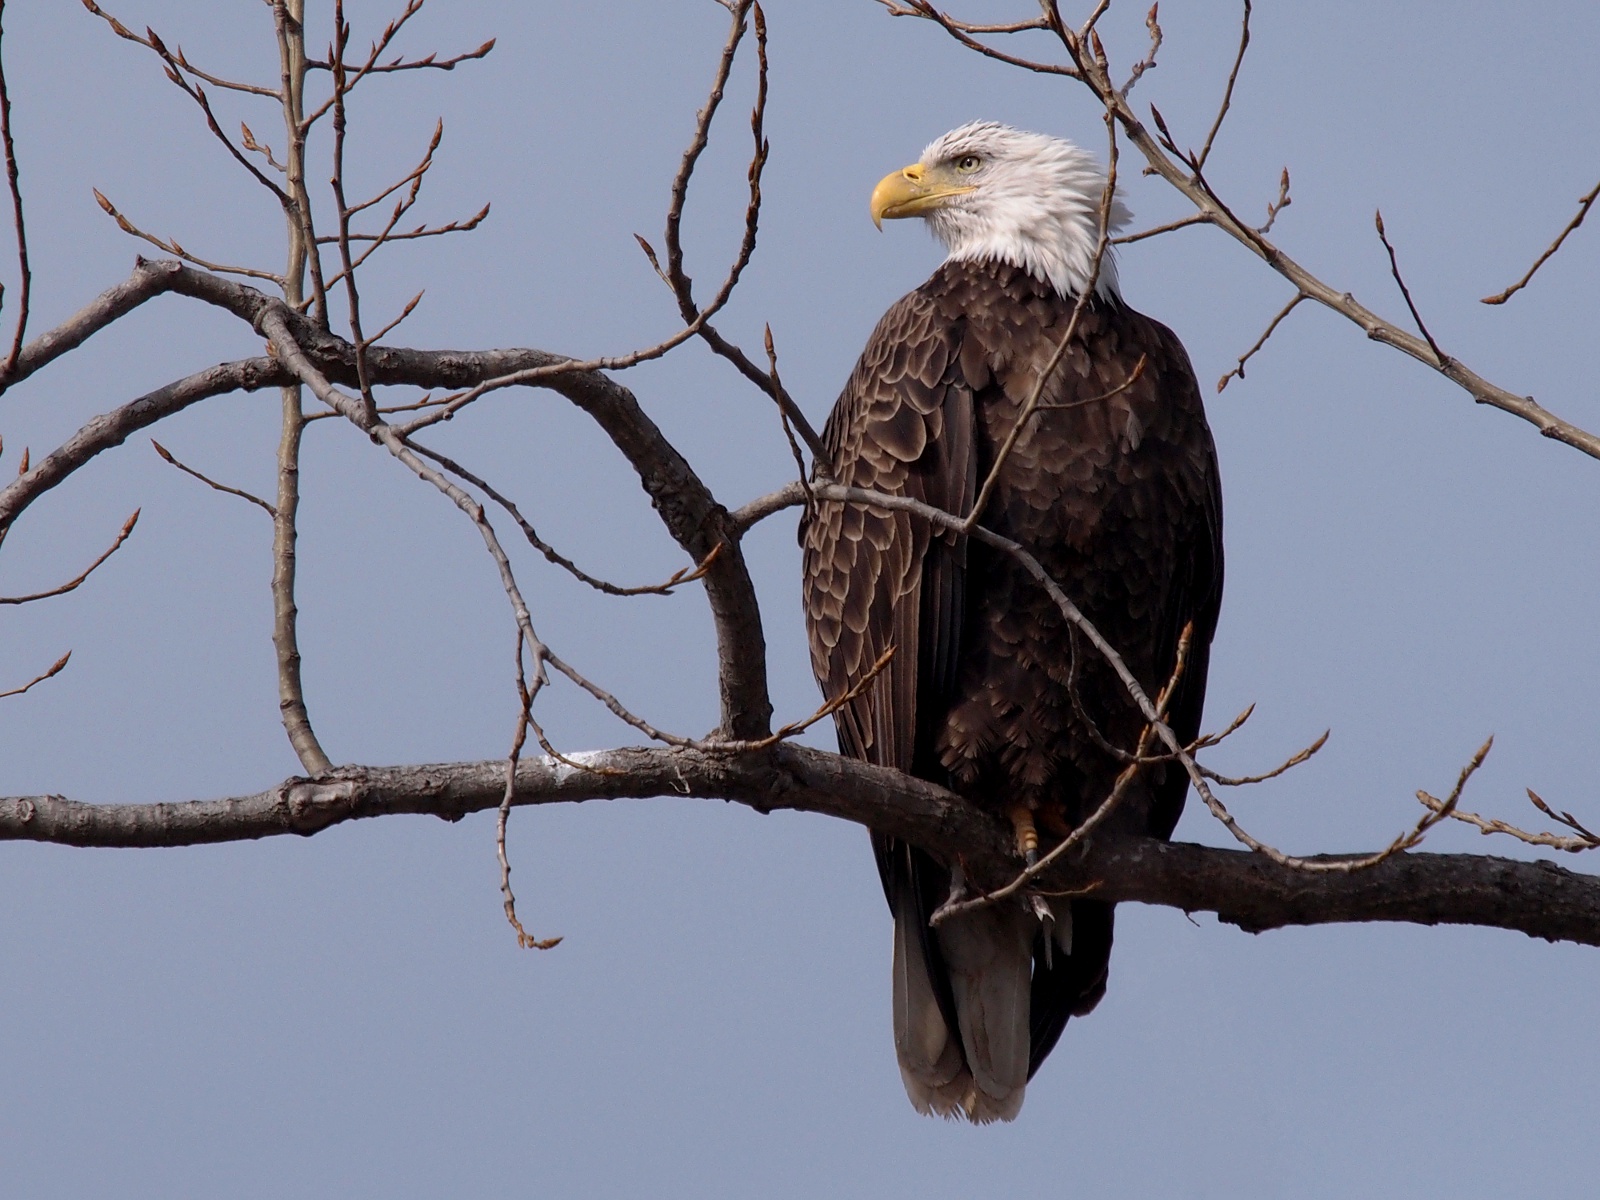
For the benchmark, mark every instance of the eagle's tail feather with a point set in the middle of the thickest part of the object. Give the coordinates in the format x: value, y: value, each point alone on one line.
x: 980, y: 1074
x: 989, y: 955
x: 930, y: 1059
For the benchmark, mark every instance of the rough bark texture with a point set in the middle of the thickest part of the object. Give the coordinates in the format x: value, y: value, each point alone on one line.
x: 1242, y: 888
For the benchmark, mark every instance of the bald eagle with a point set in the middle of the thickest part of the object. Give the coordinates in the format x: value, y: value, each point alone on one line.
x: 1112, y: 485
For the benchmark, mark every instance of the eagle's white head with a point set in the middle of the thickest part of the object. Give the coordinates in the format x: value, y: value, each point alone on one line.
x: 989, y: 191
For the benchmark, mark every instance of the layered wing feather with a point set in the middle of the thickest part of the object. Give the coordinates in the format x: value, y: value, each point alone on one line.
x: 1113, y: 486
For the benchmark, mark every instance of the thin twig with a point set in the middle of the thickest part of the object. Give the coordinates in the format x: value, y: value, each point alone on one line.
x: 677, y: 579
x: 1131, y: 378
x: 1294, y: 760
x: 1274, y: 207
x: 1180, y: 223
x: 524, y: 718
x: 373, y: 67
x: 673, y: 273
x: 1564, y: 818
x: 1585, y: 840
x: 122, y: 31
x: 341, y: 34
x: 167, y: 456
x: 413, y: 177
x: 1394, y: 269
x: 1149, y: 60
x: 55, y: 669
x: 247, y: 139
x: 794, y: 728
x: 1227, y: 95
x: 783, y: 419
x: 428, y: 62
x: 896, y: 10
x: 1261, y: 341
x: 411, y: 307
x: 1585, y: 203
x: 963, y: 32
x: 72, y: 584
x: 24, y: 273
x: 1207, y: 740
x: 170, y: 246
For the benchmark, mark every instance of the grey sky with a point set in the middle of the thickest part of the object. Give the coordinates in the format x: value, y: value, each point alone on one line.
x: 350, y: 1016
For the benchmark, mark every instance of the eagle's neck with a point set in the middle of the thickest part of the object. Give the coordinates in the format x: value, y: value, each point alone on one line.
x: 1053, y: 243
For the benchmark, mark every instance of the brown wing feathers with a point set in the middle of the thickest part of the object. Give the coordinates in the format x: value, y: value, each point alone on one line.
x: 1113, y: 488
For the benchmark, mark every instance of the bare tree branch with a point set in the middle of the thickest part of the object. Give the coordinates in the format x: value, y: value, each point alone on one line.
x: 963, y: 33
x: 674, y: 275
x: 113, y: 428
x: 148, y: 279
x: 51, y: 672
x: 1272, y: 325
x: 1181, y: 223
x: 301, y: 256
x: 1585, y: 203
x: 171, y: 246
x: 524, y: 721
x: 1394, y: 270
x: 149, y: 42
x: 24, y: 273
x: 73, y: 583
x: 167, y: 457
x: 1274, y: 207
x: 1180, y: 172
x: 428, y: 62
x: 1536, y: 898
x: 554, y: 556
x: 1227, y: 95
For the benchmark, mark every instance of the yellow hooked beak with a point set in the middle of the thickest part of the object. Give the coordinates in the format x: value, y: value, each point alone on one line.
x: 912, y: 191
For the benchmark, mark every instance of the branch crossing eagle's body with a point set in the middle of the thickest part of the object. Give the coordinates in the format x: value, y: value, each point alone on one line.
x: 1112, y: 486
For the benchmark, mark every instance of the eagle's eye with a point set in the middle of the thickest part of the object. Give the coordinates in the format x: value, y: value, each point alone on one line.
x: 968, y: 163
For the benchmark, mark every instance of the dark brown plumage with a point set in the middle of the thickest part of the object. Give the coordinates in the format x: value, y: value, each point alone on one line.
x: 990, y: 692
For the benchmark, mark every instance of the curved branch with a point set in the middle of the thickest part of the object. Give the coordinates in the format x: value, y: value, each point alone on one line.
x: 692, y: 515
x: 115, y: 427
x: 1242, y: 888
x: 148, y: 279
x: 686, y: 506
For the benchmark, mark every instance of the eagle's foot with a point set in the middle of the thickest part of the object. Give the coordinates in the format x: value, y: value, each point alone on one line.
x: 1027, y: 833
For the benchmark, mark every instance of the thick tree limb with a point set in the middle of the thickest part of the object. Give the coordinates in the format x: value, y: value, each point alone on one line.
x: 692, y: 515
x: 148, y: 279
x: 1242, y: 888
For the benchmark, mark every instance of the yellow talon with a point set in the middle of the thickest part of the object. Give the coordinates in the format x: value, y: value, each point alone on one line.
x: 1027, y: 834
